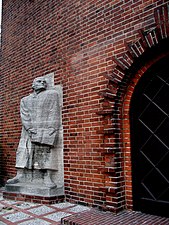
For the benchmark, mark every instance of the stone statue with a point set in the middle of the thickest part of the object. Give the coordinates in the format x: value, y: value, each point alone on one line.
x: 40, y: 116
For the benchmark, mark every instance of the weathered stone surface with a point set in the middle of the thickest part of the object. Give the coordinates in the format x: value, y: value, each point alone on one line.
x: 34, y: 189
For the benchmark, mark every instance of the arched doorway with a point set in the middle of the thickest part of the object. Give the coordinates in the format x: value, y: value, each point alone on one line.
x: 149, y: 125
x: 140, y: 55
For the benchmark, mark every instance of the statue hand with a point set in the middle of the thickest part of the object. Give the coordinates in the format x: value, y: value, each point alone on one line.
x: 32, y: 131
x: 51, y: 131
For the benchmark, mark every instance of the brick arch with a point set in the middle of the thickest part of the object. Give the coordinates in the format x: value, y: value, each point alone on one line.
x: 138, y: 57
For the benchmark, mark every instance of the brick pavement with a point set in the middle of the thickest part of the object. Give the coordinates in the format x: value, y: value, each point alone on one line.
x: 95, y: 217
x: 25, y: 213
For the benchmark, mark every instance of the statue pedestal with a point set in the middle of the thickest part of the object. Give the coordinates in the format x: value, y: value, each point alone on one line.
x: 33, y: 192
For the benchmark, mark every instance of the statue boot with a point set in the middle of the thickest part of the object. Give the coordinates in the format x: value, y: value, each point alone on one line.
x: 18, y: 178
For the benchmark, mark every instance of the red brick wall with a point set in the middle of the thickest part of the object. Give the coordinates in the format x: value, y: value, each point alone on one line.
x: 77, y: 41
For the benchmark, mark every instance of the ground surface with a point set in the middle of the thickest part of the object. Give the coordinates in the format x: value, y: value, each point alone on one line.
x: 24, y: 213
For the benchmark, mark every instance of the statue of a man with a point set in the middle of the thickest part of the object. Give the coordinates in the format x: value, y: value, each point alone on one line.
x: 40, y: 116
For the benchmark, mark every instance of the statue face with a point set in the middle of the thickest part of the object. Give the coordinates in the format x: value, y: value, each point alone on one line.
x: 39, y: 84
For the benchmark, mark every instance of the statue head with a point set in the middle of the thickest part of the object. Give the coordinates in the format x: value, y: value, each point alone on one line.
x: 39, y: 84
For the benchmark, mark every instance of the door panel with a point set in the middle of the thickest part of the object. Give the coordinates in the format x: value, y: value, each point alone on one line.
x: 149, y: 116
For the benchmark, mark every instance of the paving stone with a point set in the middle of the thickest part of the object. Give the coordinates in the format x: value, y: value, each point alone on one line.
x: 35, y: 222
x: 63, y: 205
x: 57, y: 216
x: 41, y: 210
x: 10, y: 202
x: 26, y: 205
x: 79, y: 208
x: 5, y: 210
x: 1, y: 223
x: 1, y: 205
x: 15, y: 217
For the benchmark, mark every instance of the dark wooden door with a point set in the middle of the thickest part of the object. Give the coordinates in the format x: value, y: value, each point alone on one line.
x: 149, y: 116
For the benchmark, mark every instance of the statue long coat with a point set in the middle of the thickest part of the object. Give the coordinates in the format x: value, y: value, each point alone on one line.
x: 40, y: 113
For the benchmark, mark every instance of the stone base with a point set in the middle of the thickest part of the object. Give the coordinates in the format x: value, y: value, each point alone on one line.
x: 33, y: 193
x: 34, y: 189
